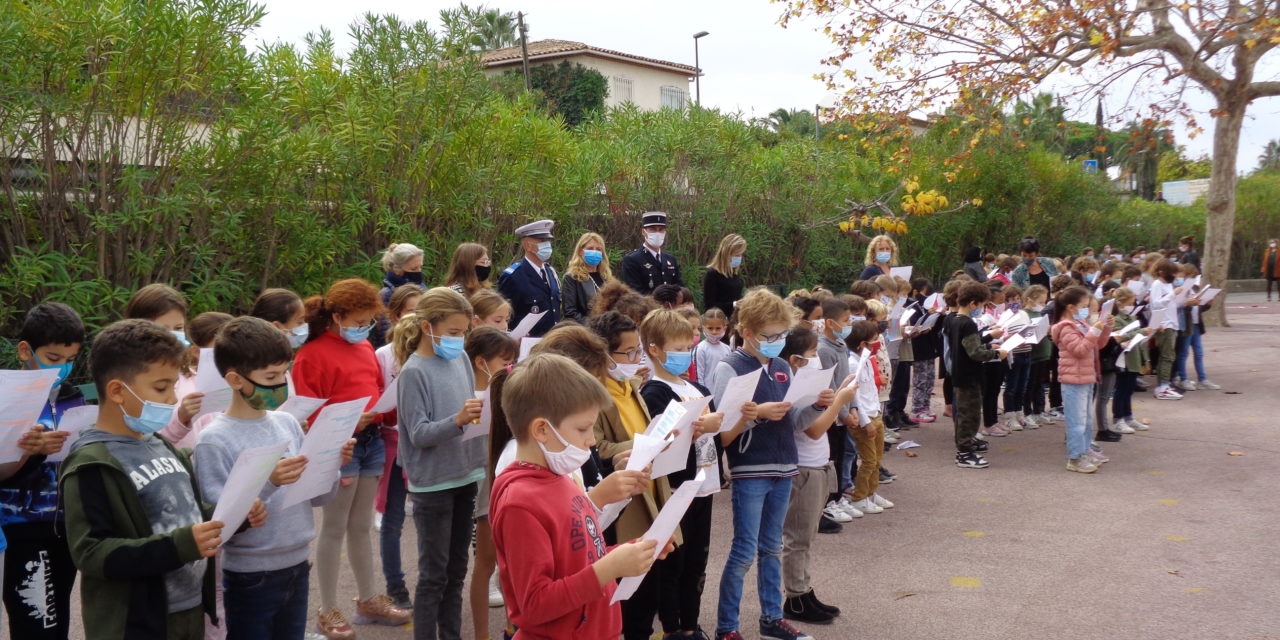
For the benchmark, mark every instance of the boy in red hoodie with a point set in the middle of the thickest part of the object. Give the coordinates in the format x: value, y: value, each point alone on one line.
x: 557, y: 574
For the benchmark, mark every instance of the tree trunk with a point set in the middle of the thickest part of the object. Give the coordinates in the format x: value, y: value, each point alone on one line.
x: 1221, y: 204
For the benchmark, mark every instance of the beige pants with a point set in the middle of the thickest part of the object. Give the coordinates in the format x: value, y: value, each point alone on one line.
x: 808, y: 497
x: 870, y: 452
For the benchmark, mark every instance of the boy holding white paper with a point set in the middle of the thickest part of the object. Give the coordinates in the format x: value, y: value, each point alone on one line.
x: 668, y: 341
x: 134, y: 518
x: 265, y: 570
x: 1136, y: 359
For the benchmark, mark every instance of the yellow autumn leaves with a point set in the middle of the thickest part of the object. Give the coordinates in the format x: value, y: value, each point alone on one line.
x: 888, y: 225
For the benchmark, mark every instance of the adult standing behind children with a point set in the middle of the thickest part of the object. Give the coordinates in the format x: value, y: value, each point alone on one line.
x: 588, y: 271
x: 882, y: 254
x: 721, y: 284
x: 649, y: 267
x: 531, y: 285
x: 1034, y: 269
x: 401, y: 264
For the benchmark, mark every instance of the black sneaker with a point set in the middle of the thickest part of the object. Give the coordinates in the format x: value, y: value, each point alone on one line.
x: 907, y: 421
x: 971, y: 460
x: 1107, y: 435
x: 827, y: 525
x: 980, y: 445
x: 813, y: 600
x: 399, y: 595
x: 780, y: 630
x: 887, y: 477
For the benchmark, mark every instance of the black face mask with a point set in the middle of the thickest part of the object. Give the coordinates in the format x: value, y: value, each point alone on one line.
x: 482, y: 272
x: 883, y: 326
x: 414, y: 277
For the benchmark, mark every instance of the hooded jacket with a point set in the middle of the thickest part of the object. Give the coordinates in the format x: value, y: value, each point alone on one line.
x: 122, y: 563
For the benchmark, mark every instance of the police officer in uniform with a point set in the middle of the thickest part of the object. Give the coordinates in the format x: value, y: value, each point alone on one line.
x: 648, y: 267
x: 532, y: 285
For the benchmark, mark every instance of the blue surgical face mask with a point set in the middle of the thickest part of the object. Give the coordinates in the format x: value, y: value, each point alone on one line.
x: 883, y: 256
x: 976, y: 313
x: 544, y: 251
x: 181, y: 336
x: 64, y: 369
x: 590, y: 256
x: 1090, y: 277
x: 356, y: 335
x: 447, y: 347
x: 677, y: 362
x: 153, y: 417
x: 843, y: 331
x: 298, y: 335
x: 774, y: 348
x: 1028, y: 261
x: 735, y: 262
x: 1082, y: 313
x: 1177, y: 282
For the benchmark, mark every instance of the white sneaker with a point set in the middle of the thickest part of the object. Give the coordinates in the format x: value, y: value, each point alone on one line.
x: 1029, y: 422
x: 867, y: 506
x: 1045, y: 418
x: 834, y: 512
x: 881, y: 502
x: 377, y: 521
x: 980, y: 435
x: 1119, y: 426
x: 1137, y: 425
x: 890, y: 437
x: 495, y: 591
x: 1208, y: 385
x: 1011, y: 421
x: 846, y: 505
x: 1167, y: 393
x: 1185, y: 385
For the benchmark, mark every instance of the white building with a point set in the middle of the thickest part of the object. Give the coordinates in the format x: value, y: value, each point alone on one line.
x: 648, y: 83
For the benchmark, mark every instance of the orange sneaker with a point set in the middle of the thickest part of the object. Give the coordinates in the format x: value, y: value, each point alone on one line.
x: 380, y: 610
x: 332, y: 624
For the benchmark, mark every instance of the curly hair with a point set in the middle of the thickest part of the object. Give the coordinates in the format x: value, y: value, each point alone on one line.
x: 352, y: 295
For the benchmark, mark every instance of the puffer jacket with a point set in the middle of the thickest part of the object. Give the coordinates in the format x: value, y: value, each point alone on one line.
x: 1078, y: 361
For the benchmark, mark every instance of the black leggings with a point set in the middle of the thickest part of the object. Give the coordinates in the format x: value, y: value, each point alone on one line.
x: 1269, y: 282
x: 992, y: 377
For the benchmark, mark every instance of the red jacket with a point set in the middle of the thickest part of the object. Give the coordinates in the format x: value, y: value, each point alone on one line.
x: 1275, y: 266
x: 1078, y: 352
x: 547, y: 537
x: 330, y: 367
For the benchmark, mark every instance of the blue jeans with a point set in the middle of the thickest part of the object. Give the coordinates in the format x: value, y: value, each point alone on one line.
x: 369, y: 456
x: 1077, y: 406
x: 759, y: 510
x: 1193, y: 344
x: 267, y: 605
x: 392, y: 525
x: 846, y: 463
x: 1015, y: 386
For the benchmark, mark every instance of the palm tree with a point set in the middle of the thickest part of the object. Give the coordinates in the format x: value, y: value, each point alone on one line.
x: 1270, y: 158
x: 493, y: 29
x: 1041, y: 120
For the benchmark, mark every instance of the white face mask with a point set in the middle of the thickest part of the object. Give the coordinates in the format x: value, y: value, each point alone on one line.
x: 562, y: 463
x: 623, y: 371
x: 1272, y: 245
x: 853, y: 319
x: 655, y: 238
x: 813, y: 363
x: 818, y: 324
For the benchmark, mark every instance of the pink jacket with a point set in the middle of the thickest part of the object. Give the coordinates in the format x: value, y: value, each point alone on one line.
x: 1078, y: 352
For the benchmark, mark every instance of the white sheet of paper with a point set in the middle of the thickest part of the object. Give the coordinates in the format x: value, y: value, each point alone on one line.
x: 1005, y: 317
x: 74, y: 421
x: 1208, y: 295
x: 930, y: 322
x: 739, y: 391
x: 526, y: 344
x: 1137, y: 340
x: 1120, y: 361
x: 932, y: 301
x: 901, y: 272
x: 301, y: 407
x: 23, y: 396
x: 906, y: 317
x: 856, y: 370
x: 676, y: 455
x: 526, y: 325
x: 908, y: 444
x: 663, y: 527
x: 643, y: 450
x: 472, y: 431
x: 387, y: 401
x: 898, y: 307
x: 611, y: 511
x: 1012, y: 343
x: 806, y: 384
x: 207, y: 378
x: 1136, y: 287
x: 215, y: 401
x: 248, y: 475
x: 1132, y: 326
x: 1107, y: 308
x: 711, y: 485
x: 666, y: 421
x: 323, y: 449
x: 1041, y: 326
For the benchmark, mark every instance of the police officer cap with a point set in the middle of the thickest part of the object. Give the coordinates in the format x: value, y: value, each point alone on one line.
x: 540, y: 229
x: 654, y: 218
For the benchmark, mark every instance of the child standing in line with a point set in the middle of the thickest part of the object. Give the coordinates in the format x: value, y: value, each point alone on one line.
x: 858, y: 310
x: 285, y: 311
x: 136, y: 526
x: 185, y: 426
x: 834, y: 355
x: 38, y: 572
x: 968, y: 351
x: 1033, y: 403
x: 762, y: 462
x: 391, y: 485
x: 882, y: 367
x: 265, y: 570
x: 925, y: 347
x: 993, y: 373
x: 1078, y: 365
x: 1189, y: 339
x: 1164, y: 319
x: 668, y: 339
x: 436, y: 404
x: 551, y: 550
x: 338, y: 363
x: 491, y: 309
x: 869, y: 434
x: 810, y: 488
x: 1135, y: 361
x: 1108, y: 353
x: 1015, y: 387
x: 490, y: 352
x: 712, y: 349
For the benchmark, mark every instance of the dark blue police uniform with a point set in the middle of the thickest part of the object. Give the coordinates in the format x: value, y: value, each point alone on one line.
x: 522, y: 284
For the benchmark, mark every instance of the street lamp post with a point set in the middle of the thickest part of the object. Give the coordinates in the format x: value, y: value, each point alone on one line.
x: 697, y: 79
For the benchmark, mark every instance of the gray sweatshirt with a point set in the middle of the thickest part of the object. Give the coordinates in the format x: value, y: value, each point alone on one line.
x: 431, y: 392
x: 284, y: 541
x: 835, y: 353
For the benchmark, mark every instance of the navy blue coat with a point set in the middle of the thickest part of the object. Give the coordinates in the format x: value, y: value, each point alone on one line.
x: 524, y: 288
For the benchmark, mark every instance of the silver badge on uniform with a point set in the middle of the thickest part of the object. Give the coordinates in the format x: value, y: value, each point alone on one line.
x: 534, y: 309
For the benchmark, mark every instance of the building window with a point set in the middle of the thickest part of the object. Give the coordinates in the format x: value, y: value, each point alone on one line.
x: 621, y: 89
x: 673, y: 97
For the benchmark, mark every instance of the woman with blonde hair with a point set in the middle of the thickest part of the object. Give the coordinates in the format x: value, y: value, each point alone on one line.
x: 588, y: 271
x: 469, y: 269
x: 721, y: 284
x: 882, y: 253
